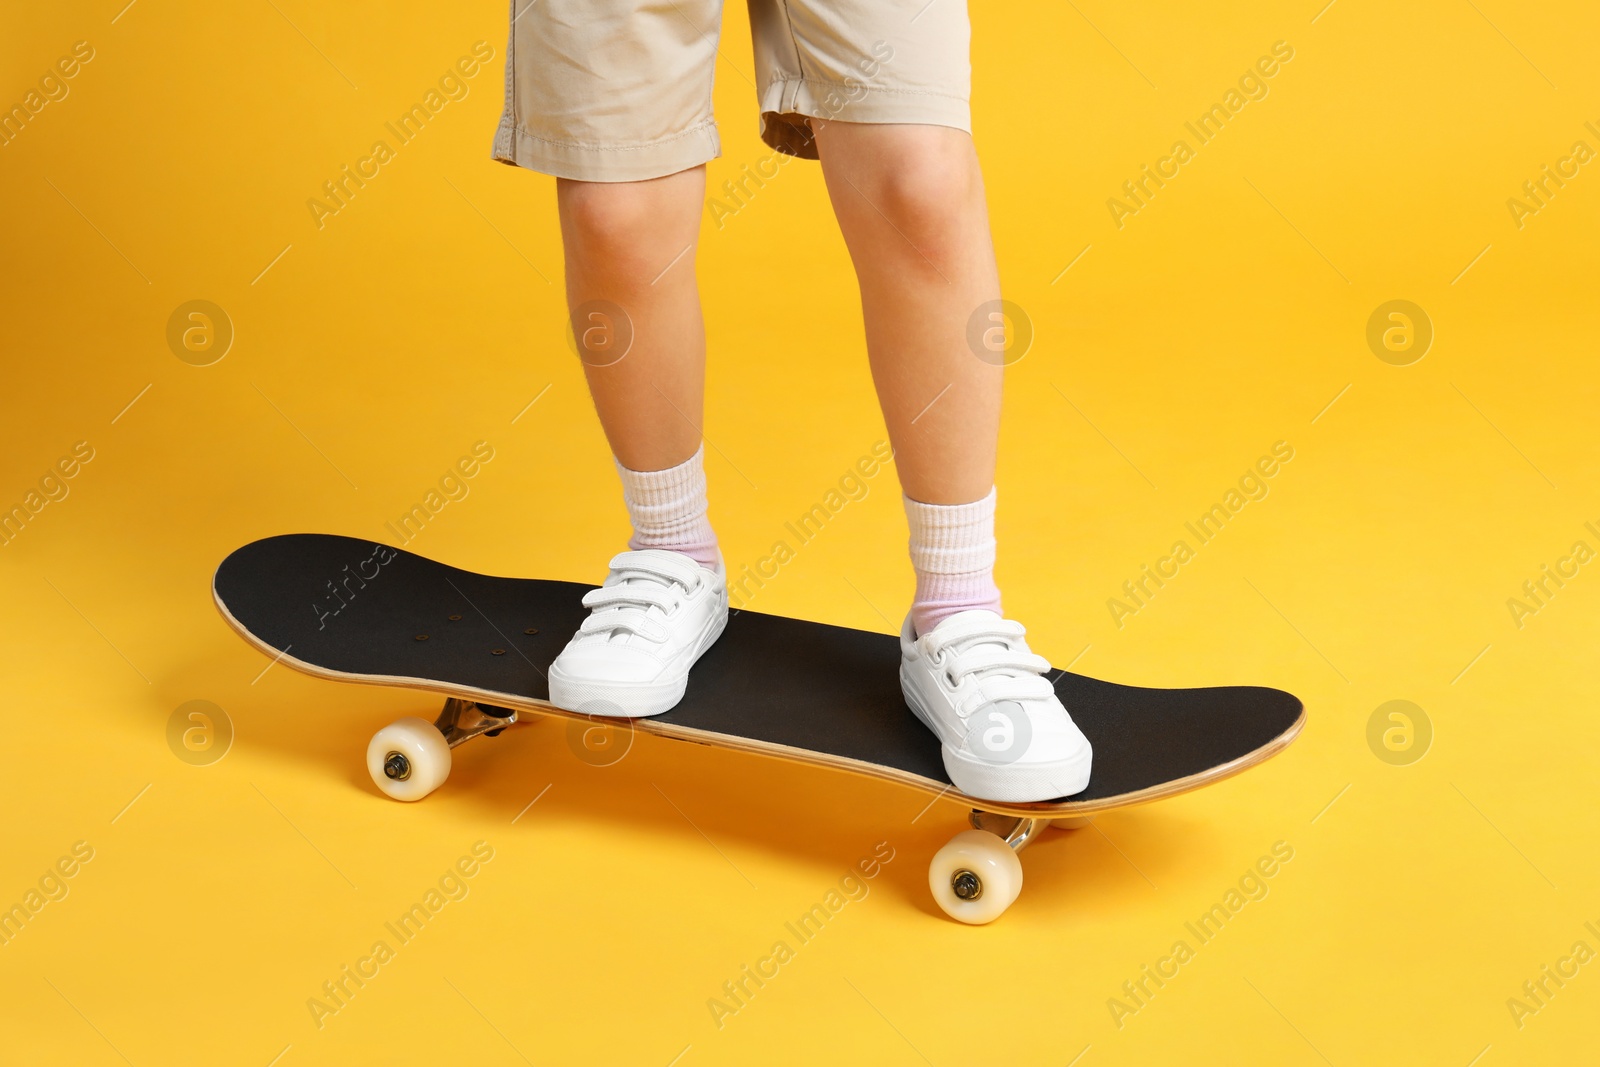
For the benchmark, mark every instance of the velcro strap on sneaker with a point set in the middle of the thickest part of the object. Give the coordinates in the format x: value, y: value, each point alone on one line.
x: 965, y: 629
x: 996, y: 657
x: 632, y: 595
x: 626, y: 620
x: 1023, y: 688
x: 656, y: 563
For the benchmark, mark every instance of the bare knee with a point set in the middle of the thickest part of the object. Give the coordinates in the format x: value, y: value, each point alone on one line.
x: 604, y: 217
x: 624, y: 228
x: 928, y: 191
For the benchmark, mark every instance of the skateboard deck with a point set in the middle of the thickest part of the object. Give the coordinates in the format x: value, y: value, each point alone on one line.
x: 356, y: 611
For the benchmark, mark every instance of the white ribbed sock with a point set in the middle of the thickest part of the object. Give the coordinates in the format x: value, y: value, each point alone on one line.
x: 668, y: 510
x: 952, y: 551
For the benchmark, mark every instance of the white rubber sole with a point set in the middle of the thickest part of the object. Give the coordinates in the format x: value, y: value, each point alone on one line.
x: 1017, y: 782
x: 629, y: 700
x: 1020, y: 782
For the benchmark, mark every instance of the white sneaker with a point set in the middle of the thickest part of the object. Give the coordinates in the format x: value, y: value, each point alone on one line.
x: 657, y: 612
x: 1005, y: 736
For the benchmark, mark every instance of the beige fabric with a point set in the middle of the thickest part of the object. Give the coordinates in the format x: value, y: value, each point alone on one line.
x: 620, y: 90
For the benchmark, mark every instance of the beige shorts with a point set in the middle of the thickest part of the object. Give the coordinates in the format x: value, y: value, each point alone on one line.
x: 620, y: 90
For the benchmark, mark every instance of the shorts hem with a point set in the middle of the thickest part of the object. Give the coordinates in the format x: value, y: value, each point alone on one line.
x: 607, y: 163
x: 788, y: 105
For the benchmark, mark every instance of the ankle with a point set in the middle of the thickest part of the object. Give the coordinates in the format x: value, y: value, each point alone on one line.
x: 952, y: 552
x: 929, y: 612
x: 668, y: 510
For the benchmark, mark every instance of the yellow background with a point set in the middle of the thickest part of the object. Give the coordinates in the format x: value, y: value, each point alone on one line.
x: 1223, y: 317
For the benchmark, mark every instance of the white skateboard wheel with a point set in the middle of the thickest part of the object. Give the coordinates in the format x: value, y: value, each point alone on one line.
x: 975, y: 877
x: 408, y: 759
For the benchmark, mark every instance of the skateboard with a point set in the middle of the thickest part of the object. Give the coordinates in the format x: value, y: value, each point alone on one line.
x: 356, y: 611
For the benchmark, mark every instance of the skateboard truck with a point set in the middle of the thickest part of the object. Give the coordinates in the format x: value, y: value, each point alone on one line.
x: 1016, y: 832
x: 462, y: 720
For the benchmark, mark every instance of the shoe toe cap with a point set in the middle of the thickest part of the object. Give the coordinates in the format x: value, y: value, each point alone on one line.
x: 608, y: 662
x: 1026, y: 733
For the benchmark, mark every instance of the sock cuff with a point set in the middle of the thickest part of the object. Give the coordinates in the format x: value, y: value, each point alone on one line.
x: 952, y: 538
x: 668, y: 509
x: 664, y: 488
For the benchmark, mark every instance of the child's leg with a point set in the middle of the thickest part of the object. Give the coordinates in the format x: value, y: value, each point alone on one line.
x: 630, y: 247
x: 613, y: 98
x: 636, y: 317
x: 630, y: 251
x: 910, y: 203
